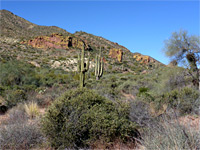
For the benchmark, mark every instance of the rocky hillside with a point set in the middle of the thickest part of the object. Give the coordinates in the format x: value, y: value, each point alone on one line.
x: 15, y: 26
x: 55, y: 47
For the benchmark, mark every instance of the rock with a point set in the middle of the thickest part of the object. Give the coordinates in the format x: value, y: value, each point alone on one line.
x: 56, y: 64
x: 56, y: 41
x: 116, y: 54
x: 34, y: 64
x: 144, y: 59
x: 9, y: 40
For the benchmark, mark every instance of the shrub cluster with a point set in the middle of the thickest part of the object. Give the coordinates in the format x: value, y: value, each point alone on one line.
x: 80, y: 117
x: 185, y: 100
x: 17, y: 78
x: 16, y: 132
x: 168, y: 134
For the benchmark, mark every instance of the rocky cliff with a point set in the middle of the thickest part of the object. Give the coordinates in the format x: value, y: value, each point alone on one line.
x: 57, y: 41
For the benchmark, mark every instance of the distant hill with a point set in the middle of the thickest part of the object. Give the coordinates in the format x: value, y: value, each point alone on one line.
x: 15, y: 26
x: 47, y: 45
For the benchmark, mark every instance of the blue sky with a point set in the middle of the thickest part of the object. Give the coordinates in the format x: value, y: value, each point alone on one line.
x: 141, y: 26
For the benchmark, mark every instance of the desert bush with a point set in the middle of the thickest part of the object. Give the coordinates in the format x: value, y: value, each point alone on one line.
x: 31, y: 109
x: 80, y: 117
x: 20, y: 136
x: 16, y: 115
x: 186, y: 100
x: 17, y: 132
x: 108, y: 86
x: 2, y: 90
x: 14, y: 97
x: 168, y: 79
x: 48, y: 77
x: 140, y: 113
x: 16, y: 73
x: 171, y: 135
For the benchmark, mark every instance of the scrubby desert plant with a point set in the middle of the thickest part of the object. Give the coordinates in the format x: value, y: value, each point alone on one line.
x: 169, y: 134
x: 16, y: 132
x: 80, y: 117
x: 14, y: 97
x: 16, y: 115
x: 20, y: 136
x: 185, y: 100
x: 31, y: 109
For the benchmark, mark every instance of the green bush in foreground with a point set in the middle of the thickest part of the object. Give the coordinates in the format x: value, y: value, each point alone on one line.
x: 186, y: 100
x: 80, y: 117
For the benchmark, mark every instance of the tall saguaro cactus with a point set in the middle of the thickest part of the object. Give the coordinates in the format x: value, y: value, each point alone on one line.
x: 99, y: 66
x: 82, y: 67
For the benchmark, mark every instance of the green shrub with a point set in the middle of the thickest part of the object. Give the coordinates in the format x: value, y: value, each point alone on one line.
x: 2, y: 90
x: 16, y: 73
x: 14, y: 97
x: 143, y: 90
x: 81, y: 117
x: 185, y: 100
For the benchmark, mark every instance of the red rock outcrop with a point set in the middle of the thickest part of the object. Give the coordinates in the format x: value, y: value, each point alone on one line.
x: 55, y: 41
x: 116, y: 54
x: 143, y: 58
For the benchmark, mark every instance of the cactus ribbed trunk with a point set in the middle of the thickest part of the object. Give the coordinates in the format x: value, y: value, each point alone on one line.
x: 82, y: 67
x: 99, y: 66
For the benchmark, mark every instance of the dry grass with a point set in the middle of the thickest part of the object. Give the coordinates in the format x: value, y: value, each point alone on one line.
x: 171, y: 135
x: 32, y: 109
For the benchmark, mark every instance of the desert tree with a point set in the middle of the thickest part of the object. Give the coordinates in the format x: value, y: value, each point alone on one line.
x: 185, y: 50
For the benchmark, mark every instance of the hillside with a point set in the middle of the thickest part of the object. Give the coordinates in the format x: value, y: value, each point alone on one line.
x: 17, y: 27
x: 53, y: 46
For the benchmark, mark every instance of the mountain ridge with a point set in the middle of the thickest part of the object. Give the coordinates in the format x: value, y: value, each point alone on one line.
x: 36, y: 37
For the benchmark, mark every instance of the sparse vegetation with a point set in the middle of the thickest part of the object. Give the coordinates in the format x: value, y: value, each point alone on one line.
x: 138, y: 101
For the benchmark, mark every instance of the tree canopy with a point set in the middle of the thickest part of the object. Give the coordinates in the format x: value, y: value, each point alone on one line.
x: 185, y: 49
x: 180, y: 45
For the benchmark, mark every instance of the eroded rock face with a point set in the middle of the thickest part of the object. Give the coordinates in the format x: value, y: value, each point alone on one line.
x: 56, y: 41
x: 143, y: 58
x: 116, y: 54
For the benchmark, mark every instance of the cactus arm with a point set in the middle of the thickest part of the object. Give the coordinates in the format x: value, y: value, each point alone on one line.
x: 78, y: 63
x: 101, y: 70
x: 88, y: 63
x: 82, y: 59
x: 96, y: 65
x: 99, y: 66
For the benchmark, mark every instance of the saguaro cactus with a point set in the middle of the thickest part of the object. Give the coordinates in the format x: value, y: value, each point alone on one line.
x: 82, y: 67
x: 99, y: 66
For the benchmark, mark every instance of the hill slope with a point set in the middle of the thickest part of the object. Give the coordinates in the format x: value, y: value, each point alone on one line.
x: 15, y: 26
x: 55, y: 47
